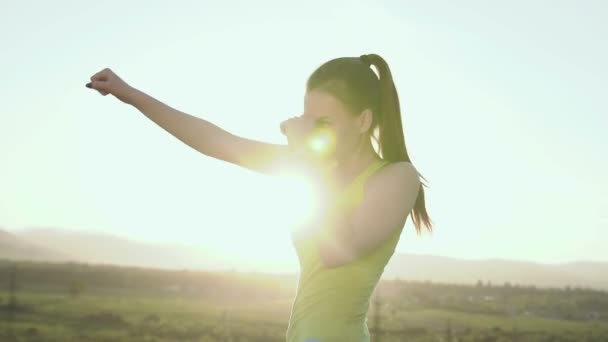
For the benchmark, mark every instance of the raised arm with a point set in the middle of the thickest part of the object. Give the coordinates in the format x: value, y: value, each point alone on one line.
x: 208, y: 138
x: 195, y: 132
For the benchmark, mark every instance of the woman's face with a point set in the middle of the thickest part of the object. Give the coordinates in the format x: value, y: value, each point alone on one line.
x: 335, y: 119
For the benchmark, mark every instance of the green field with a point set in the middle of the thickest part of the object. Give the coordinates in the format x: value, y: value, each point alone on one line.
x: 77, y: 302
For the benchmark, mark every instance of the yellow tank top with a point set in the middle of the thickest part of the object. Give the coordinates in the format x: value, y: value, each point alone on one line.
x: 331, y: 303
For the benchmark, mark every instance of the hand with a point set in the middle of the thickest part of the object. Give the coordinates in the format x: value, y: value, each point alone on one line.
x: 107, y: 82
x: 309, y: 140
x: 297, y: 129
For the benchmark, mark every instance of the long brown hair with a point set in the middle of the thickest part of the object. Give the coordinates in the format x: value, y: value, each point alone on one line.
x: 356, y: 85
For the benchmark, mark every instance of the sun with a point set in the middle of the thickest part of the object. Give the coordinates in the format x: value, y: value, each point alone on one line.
x: 300, y: 197
x: 289, y: 204
x: 277, y: 209
x: 322, y: 142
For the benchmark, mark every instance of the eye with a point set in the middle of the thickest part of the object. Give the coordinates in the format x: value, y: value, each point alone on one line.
x: 321, y: 123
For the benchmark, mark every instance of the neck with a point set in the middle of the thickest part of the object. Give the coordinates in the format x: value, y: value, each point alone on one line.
x: 350, y: 166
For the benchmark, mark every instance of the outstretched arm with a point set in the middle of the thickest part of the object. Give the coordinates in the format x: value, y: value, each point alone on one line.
x: 208, y: 138
x: 195, y: 132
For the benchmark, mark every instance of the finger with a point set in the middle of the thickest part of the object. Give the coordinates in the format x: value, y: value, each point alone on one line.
x: 284, y: 125
x: 101, y: 86
x: 101, y: 76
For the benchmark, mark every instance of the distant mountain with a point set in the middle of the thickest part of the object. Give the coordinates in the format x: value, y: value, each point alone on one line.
x: 497, y: 271
x: 50, y: 244
x: 14, y: 247
x: 102, y: 248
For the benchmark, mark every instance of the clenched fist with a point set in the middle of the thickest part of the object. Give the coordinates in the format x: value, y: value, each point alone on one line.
x: 297, y: 130
x: 107, y: 82
x: 307, y: 137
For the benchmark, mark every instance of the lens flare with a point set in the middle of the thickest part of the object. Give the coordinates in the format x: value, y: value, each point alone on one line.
x: 319, y: 144
x: 322, y: 142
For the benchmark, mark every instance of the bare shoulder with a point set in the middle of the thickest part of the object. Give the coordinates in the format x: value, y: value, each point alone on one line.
x: 398, y: 174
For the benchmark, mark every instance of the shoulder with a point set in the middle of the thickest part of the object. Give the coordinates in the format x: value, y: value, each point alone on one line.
x: 403, y: 168
x: 396, y: 175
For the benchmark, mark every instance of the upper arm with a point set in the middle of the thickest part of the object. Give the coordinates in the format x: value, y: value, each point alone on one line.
x: 255, y: 155
x: 389, y: 197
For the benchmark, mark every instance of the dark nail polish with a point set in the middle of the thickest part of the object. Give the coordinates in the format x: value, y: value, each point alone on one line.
x: 89, y: 85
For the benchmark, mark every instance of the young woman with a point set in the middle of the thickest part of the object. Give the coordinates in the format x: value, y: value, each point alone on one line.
x: 370, y: 190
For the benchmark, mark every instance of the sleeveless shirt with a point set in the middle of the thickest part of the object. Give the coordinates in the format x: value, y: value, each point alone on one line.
x: 331, y: 304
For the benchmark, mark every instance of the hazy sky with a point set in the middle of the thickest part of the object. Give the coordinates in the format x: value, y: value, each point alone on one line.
x: 504, y: 109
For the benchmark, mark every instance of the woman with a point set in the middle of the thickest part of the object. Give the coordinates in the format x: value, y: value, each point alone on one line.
x: 369, y: 194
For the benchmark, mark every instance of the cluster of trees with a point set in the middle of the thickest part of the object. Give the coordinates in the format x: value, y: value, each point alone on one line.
x: 506, y: 299
x: 465, y: 304
x: 80, y: 276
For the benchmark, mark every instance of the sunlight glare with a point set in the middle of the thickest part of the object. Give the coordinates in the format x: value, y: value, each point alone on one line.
x: 322, y: 143
x: 300, y: 198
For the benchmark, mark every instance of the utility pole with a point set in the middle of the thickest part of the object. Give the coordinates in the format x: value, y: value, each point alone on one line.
x: 11, y: 308
x: 12, y: 289
x: 377, y: 319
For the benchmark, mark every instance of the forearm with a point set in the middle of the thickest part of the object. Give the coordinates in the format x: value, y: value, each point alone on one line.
x: 197, y: 133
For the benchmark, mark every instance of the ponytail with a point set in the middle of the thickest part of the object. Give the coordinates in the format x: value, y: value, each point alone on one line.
x: 390, y: 139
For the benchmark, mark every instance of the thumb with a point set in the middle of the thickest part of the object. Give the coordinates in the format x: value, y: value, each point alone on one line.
x: 101, y: 86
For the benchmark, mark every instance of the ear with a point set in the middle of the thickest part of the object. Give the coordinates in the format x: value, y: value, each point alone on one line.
x: 365, y: 120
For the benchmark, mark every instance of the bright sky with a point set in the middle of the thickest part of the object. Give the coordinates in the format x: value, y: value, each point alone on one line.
x: 503, y: 104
